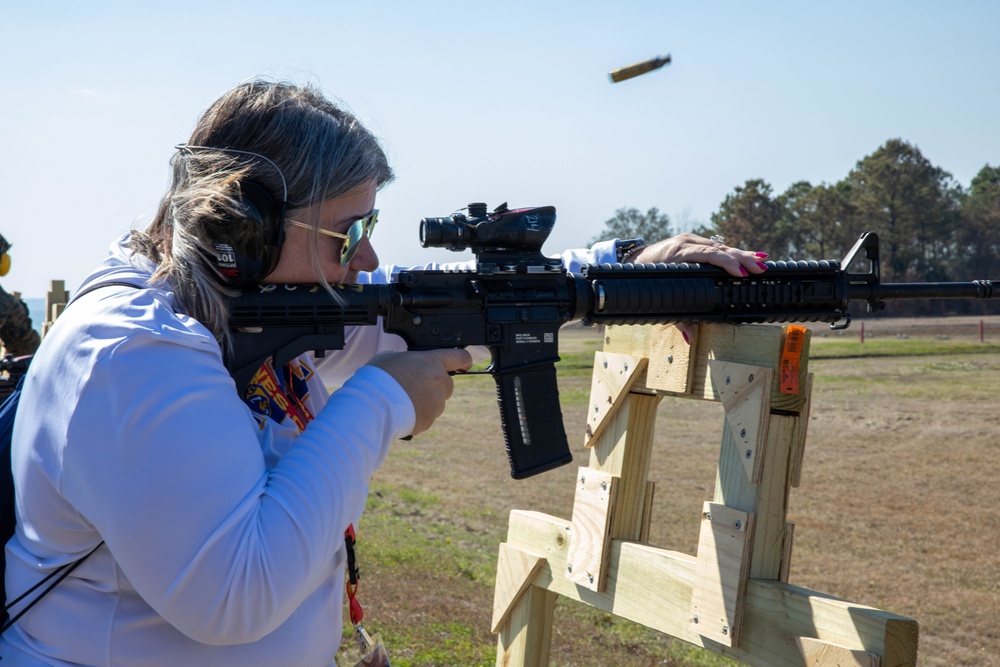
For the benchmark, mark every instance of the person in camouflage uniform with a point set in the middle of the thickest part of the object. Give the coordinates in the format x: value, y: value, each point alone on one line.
x: 16, y: 333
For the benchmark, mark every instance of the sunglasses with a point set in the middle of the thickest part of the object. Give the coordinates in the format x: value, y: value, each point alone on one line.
x: 352, y: 239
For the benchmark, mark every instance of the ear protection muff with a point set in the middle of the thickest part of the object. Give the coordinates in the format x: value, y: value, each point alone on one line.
x: 247, y: 247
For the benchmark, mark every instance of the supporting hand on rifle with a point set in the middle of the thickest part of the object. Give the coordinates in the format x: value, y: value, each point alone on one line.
x: 696, y: 249
x: 425, y: 376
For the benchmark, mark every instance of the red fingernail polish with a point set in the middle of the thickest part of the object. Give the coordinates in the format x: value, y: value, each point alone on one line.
x: 762, y: 255
x: 762, y: 265
x: 744, y: 271
x: 687, y: 339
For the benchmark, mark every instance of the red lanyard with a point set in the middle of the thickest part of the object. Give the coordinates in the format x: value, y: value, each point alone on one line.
x: 284, y: 393
x: 352, y: 578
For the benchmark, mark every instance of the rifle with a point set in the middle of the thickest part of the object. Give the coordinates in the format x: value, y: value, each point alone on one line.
x: 515, y: 300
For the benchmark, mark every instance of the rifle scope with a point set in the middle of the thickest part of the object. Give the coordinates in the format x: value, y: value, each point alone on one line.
x: 517, y: 231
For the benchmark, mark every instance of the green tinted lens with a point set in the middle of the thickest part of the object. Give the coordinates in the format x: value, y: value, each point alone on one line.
x: 355, y: 232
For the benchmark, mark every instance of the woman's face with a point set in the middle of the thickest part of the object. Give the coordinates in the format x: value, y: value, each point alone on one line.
x: 335, y: 215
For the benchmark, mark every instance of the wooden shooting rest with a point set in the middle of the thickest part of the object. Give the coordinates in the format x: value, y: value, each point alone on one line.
x: 733, y: 597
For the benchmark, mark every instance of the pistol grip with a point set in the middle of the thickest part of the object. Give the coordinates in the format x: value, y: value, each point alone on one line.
x: 532, y: 420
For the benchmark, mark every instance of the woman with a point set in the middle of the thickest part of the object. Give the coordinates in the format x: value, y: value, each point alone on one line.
x: 211, y: 525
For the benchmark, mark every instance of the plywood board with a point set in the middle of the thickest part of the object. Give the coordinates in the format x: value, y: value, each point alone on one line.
x: 795, y: 475
x: 823, y: 654
x: 614, y: 374
x: 719, y: 594
x: 745, y: 394
x: 670, y: 356
x: 515, y: 570
x: 589, y: 540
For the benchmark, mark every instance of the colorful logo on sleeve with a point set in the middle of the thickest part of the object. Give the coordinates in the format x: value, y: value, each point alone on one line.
x: 282, y: 394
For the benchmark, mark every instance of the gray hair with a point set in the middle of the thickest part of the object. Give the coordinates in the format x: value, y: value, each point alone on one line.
x: 307, y: 143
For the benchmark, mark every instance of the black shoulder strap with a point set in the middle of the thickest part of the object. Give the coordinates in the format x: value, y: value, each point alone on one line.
x: 64, y: 571
x: 110, y: 283
x: 61, y: 572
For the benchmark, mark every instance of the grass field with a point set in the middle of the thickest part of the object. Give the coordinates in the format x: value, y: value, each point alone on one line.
x: 897, y: 509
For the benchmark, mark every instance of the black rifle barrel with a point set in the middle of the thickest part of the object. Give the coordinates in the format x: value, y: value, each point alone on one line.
x: 976, y: 289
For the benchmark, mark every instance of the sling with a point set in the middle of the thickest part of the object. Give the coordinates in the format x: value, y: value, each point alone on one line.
x: 8, y: 516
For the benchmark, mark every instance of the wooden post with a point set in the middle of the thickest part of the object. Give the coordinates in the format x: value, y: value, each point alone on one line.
x: 733, y: 596
x: 55, y: 303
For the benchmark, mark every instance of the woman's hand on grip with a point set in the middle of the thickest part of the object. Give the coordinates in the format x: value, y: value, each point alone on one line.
x: 425, y: 377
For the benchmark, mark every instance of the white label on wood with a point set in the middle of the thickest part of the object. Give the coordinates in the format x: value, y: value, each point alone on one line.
x: 745, y: 393
x: 719, y: 593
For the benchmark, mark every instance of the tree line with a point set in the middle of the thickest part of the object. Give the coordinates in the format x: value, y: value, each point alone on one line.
x: 931, y: 228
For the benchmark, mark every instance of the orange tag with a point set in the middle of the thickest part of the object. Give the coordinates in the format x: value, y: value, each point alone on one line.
x: 790, y: 357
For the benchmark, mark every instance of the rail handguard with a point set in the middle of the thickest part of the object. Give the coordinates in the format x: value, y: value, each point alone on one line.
x: 515, y: 300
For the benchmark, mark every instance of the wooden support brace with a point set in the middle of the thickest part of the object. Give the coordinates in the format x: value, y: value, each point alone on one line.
x: 768, y: 500
x: 795, y: 475
x: 624, y: 450
x: 526, y: 637
x: 515, y: 570
x: 55, y: 302
x: 614, y: 375
x: 786, y: 551
x: 647, y: 511
x: 670, y: 357
x: 589, y: 539
x: 745, y: 393
x: 654, y: 587
x: 719, y: 593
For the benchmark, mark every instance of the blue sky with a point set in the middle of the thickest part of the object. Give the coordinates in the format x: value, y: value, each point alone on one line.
x: 500, y: 101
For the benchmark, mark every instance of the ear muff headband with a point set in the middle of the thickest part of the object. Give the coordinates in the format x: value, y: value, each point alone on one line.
x: 247, y: 247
